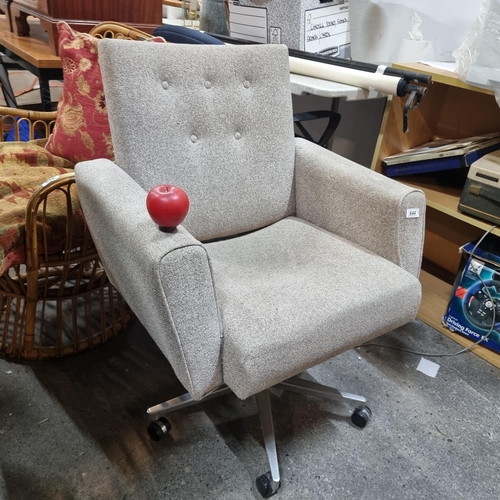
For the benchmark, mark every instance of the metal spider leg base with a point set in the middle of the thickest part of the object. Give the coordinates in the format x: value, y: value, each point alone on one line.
x: 268, y: 483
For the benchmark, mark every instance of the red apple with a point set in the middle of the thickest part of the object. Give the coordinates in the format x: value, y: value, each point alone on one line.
x: 167, y: 205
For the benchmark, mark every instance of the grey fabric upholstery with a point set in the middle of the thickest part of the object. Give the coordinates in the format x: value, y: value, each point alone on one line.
x: 377, y: 209
x: 329, y: 260
x: 219, y: 146
x: 293, y: 295
x: 165, y: 277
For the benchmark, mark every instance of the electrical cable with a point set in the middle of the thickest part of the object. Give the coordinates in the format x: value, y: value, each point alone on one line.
x: 472, y: 346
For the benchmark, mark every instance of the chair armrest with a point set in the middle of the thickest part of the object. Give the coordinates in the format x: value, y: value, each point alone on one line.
x: 360, y: 205
x: 166, y: 278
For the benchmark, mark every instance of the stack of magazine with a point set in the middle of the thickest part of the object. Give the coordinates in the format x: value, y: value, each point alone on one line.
x: 440, y: 154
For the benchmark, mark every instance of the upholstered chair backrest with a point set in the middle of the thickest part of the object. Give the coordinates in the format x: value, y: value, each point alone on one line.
x: 219, y: 125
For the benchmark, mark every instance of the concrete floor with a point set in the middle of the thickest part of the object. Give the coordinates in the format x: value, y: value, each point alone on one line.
x: 75, y: 428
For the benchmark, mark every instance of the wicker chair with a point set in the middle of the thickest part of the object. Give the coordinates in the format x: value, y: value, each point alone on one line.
x: 57, y: 303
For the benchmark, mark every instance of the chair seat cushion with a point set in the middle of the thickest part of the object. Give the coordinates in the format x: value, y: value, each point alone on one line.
x: 293, y: 295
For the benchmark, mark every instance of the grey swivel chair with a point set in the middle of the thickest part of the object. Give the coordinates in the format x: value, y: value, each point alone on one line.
x: 289, y: 255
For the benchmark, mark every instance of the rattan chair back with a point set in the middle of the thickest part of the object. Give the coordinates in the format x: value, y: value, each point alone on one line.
x: 59, y: 303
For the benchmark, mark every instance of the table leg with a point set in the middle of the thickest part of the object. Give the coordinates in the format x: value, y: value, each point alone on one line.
x: 334, y: 109
x: 19, y: 22
x: 333, y: 121
x: 45, y: 92
x: 7, y: 91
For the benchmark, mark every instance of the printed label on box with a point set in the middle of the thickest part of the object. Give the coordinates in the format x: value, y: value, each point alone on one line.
x: 327, y: 29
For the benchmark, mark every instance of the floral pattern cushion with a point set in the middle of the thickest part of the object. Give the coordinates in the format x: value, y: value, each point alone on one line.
x: 24, y: 166
x: 82, y: 130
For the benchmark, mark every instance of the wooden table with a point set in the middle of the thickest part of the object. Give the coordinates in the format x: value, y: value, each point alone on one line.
x: 33, y: 54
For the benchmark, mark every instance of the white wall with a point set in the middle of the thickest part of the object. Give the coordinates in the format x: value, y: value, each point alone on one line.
x: 377, y: 26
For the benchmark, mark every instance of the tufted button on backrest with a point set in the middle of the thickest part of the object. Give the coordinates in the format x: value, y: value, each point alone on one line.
x: 217, y: 95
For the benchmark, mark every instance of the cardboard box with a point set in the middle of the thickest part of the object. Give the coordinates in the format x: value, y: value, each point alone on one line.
x: 310, y: 25
x: 476, y: 294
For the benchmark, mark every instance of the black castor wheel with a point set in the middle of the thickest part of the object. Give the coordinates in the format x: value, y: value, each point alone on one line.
x: 266, y: 485
x: 361, y: 416
x: 159, y: 428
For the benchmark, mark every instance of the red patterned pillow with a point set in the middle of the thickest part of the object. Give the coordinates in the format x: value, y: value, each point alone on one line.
x: 82, y: 130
